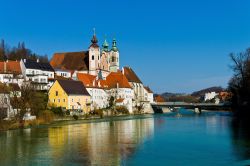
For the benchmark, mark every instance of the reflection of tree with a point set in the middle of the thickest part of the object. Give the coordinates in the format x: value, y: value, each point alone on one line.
x: 240, y: 133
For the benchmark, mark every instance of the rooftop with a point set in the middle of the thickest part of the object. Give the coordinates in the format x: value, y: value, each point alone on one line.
x: 131, y: 75
x: 73, y: 87
x: 70, y: 61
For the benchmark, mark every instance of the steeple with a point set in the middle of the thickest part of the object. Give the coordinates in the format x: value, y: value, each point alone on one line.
x: 105, y: 45
x: 94, y: 40
x: 114, y: 48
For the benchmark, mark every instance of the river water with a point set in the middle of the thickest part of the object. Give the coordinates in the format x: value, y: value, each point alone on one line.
x: 207, y: 139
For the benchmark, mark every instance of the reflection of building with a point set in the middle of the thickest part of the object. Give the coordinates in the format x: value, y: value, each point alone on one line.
x: 105, y: 143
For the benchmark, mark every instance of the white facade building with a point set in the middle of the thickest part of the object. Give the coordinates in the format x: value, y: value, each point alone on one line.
x: 210, y: 96
x: 63, y: 73
x: 6, y: 110
x: 41, y: 75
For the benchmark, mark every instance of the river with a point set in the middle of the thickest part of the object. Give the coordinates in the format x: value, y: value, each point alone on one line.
x: 207, y: 139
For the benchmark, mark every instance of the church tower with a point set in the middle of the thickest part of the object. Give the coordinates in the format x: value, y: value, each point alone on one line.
x: 114, y: 57
x: 94, y: 56
x: 105, y: 56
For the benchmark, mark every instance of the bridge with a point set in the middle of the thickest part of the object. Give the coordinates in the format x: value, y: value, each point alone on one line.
x: 198, y: 107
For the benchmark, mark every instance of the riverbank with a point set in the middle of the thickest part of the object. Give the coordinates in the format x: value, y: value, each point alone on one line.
x: 66, y: 120
x: 52, y: 119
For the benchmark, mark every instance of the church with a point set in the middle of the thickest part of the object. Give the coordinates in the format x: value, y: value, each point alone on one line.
x: 99, y: 70
x: 95, y: 61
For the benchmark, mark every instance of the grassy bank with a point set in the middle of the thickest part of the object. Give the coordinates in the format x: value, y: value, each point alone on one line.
x: 48, y: 117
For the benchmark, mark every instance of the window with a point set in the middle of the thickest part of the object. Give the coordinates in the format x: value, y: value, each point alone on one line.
x: 64, y: 100
x: 56, y: 93
x: 93, y: 57
x: 54, y: 100
x: 113, y: 59
x: 72, y: 100
x: 5, y: 100
x: 58, y: 100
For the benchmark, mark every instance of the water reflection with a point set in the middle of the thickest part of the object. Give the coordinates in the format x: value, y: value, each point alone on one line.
x: 240, y: 132
x: 106, y: 143
x: 208, y: 139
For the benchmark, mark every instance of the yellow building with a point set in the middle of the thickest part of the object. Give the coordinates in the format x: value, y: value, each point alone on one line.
x: 70, y: 95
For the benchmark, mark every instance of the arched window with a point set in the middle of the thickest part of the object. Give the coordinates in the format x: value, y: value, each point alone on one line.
x: 113, y: 59
x: 93, y: 57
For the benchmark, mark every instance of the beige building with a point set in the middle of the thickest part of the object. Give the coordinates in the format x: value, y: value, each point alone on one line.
x: 70, y: 95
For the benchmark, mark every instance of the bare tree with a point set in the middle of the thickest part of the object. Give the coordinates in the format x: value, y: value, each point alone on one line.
x: 239, y: 84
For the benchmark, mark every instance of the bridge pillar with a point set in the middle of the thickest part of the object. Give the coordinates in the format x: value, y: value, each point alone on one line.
x: 197, y: 110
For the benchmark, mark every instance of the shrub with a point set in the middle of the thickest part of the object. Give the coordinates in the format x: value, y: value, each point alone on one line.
x: 100, y: 113
x: 122, y: 109
x: 47, y: 116
x: 68, y: 112
x: 75, y: 117
x: 58, y: 111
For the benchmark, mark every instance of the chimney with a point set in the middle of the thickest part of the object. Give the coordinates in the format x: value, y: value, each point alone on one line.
x: 5, y: 66
x: 117, y: 85
x: 37, y: 60
x: 123, y: 70
x: 24, y: 60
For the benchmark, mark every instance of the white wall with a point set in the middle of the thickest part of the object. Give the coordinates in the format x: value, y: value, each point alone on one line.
x: 99, y: 98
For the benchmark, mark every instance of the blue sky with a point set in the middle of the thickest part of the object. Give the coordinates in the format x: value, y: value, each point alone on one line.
x: 174, y: 46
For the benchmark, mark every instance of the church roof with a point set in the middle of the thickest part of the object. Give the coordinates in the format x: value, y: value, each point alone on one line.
x: 130, y: 75
x: 71, y: 60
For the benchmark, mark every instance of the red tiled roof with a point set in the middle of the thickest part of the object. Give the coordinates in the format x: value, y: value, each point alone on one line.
x: 120, y: 100
x: 130, y: 75
x: 86, y: 79
x: 117, y: 78
x: 111, y: 81
x: 11, y: 67
x: 159, y: 99
x: 71, y: 61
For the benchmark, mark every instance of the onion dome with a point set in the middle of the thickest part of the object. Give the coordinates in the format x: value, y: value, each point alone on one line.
x: 94, y: 41
x: 105, y: 46
x: 114, y: 48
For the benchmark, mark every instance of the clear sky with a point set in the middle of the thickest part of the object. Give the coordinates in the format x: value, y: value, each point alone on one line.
x: 174, y: 46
